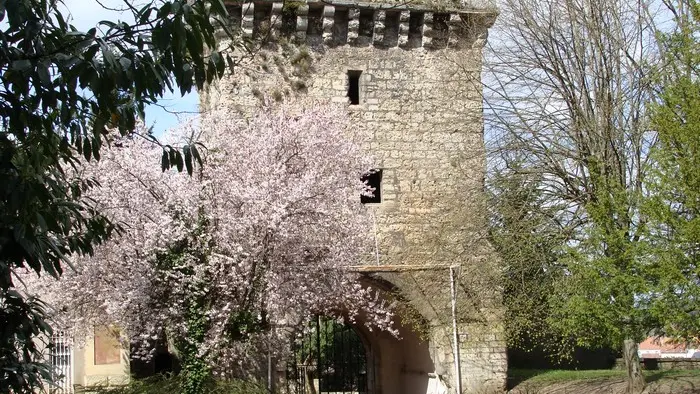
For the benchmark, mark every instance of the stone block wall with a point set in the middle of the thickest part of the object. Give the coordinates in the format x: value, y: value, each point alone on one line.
x: 420, y: 110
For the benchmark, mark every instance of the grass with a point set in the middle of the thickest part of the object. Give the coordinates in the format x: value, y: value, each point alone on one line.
x: 554, y: 376
x: 652, y: 376
x: 544, y: 377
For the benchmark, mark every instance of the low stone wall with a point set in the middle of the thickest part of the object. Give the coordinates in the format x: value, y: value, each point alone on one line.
x: 664, y: 364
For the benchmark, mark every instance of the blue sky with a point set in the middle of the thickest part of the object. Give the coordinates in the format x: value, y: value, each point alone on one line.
x: 84, y: 15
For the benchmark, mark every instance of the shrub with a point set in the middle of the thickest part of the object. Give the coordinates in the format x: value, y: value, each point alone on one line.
x: 173, y: 384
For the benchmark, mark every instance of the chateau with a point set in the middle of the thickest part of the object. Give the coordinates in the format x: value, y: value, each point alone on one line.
x: 410, y: 75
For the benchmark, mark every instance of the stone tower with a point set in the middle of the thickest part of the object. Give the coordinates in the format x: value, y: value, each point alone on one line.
x: 410, y: 75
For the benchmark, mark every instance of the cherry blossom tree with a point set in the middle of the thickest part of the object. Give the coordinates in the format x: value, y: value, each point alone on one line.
x: 259, y: 236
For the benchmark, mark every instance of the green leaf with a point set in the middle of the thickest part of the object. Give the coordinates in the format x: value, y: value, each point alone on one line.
x: 188, y: 159
x: 96, y: 145
x: 125, y: 63
x: 109, y: 24
x: 21, y: 65
x: 164, y: 10
x: 164, y: 161
x: 42, y: 223
x: 144, y: 13
x: 44, y: 75
x: 107, y: 55
x: 87, y: 149
x: 178, y: 161
x: 195, y: 154
x: 218, y: 7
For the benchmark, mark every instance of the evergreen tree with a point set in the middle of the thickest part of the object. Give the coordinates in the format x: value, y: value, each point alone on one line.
x: 674, y: 206
x: 62, y: 92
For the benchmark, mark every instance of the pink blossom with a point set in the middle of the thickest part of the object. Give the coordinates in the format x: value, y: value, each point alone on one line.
x: 275, y: 207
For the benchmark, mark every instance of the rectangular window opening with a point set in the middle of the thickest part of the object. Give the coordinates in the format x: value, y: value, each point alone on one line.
x: 415, y: 29
x: 315, y: 21
x: 366, y: 26
x: 391, y: 28
x: 261, y: 20
x: 441, y: 30
x: 340, y: 26
x: 373, y: 179
x: 354, y: 86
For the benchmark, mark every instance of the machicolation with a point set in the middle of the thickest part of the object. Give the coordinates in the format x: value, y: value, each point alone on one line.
x: 339, y: 23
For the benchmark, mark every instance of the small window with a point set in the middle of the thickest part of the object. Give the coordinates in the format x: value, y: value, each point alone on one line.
x: 415, y: 29
x: 354, y: 86
x: 366, y: 25
x: 373, y: 179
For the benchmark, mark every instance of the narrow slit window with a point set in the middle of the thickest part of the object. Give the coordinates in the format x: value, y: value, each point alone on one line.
x: 373, y: 179
x: 354, y: 86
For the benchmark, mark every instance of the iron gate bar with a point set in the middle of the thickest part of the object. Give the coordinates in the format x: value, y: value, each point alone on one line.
x: 331, y: 358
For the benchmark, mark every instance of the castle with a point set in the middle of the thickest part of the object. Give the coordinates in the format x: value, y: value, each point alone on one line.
x: 410, y: 76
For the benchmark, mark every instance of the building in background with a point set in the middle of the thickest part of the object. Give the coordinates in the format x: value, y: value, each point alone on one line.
x: 662, y: 347
x: 100, y: 360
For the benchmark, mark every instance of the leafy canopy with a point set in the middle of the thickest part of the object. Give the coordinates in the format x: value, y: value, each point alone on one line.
x: 61, y: 90
x: 674, y: 208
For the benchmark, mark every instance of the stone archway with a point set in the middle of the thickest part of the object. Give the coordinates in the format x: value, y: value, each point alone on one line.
x: 393, y: 365
x: 403, y: 364
x: 341, y: 358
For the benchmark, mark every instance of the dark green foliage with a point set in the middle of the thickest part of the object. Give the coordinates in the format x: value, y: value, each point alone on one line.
x: 62, y: 93
x: 22, y: 320
x: 242, y: 324
x: 196, y: 372
x: 674, y: 206
x: 195, y: 369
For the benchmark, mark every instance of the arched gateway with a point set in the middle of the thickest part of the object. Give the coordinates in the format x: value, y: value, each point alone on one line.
x: 410, y: 75
x: 330, y: 357
x: 336, y: 357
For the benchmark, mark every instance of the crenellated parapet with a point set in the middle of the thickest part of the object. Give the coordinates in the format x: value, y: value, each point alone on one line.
x: 337, y: 23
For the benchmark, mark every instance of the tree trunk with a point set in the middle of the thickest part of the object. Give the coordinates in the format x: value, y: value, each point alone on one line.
x: 635, y: 379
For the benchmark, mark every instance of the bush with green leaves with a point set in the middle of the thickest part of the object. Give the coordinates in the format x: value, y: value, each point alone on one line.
x: 62, y: 92
x: 175, y: 384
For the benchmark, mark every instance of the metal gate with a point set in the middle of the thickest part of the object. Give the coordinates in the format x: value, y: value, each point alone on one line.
x: 330, y: 358
x: 61, y: 359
